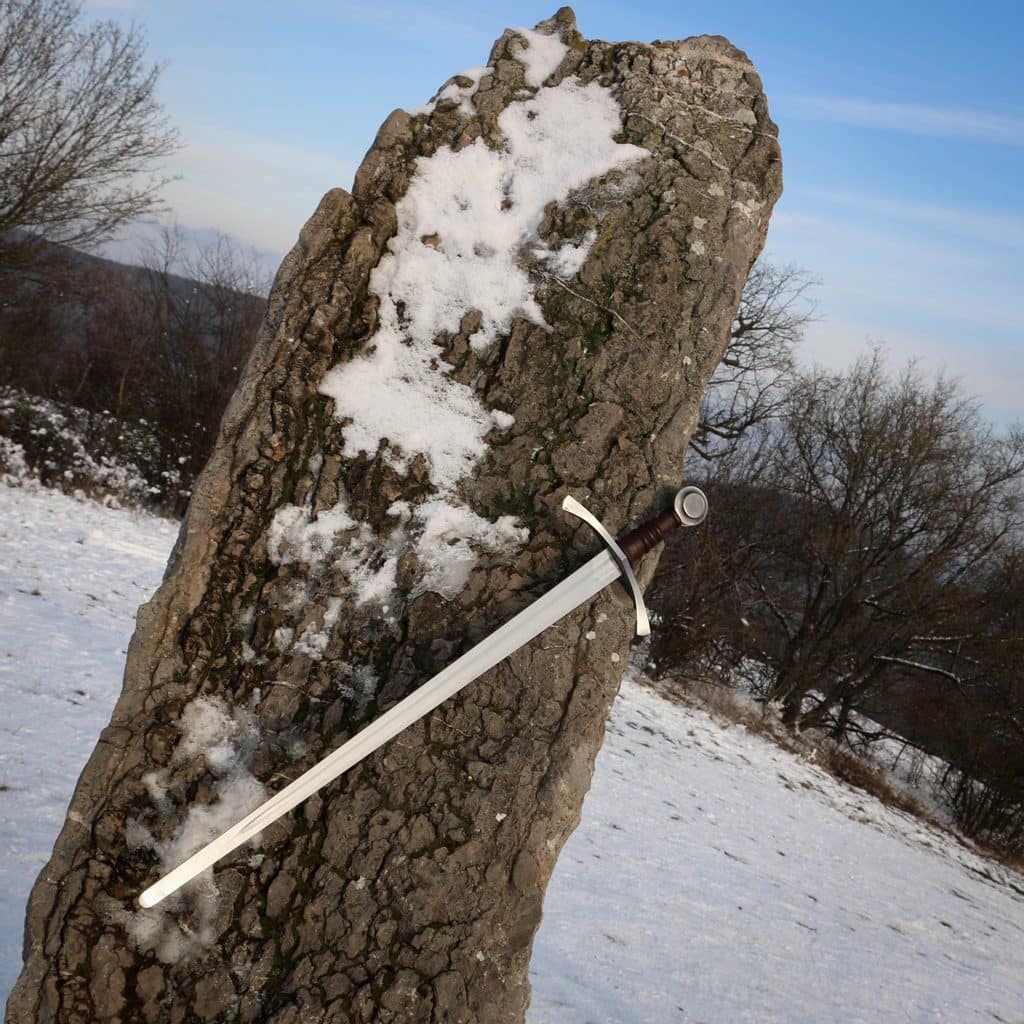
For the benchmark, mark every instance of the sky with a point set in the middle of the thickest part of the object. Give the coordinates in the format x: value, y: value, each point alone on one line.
x: 901, y: 125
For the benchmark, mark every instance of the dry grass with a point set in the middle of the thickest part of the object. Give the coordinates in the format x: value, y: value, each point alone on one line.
x: 856, y: 772
x: 723, y: 703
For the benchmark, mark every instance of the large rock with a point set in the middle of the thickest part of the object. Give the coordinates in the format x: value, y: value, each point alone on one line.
x: 560, y: 241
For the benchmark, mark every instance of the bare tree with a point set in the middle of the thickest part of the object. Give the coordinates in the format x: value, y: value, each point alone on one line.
x: 974, y: 667
x: 749, y: 385
x: 170, y: 344
x: 199, y: 316
x: 699, y: 592
x: 80, y: 127
x: 889, y: 495
x: 846, y: 534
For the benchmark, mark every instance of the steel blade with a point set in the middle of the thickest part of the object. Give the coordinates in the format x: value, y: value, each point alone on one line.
x: 558, y: 602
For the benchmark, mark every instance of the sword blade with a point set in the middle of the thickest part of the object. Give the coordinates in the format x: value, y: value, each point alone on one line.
x: 558, y: 602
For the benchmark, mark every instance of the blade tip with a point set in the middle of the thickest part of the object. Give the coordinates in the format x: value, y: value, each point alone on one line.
x: 150, y: 898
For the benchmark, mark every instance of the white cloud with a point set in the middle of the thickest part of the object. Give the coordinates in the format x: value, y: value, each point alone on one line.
x: 1003, y: 229
x: 835, y: 246
x: 924, y: 279
x: 909, y: 118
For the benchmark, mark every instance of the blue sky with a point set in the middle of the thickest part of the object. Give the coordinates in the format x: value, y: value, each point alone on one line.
x: 902, y: 130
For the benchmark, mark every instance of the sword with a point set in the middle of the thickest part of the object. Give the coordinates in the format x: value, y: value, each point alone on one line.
x: 616, y: 561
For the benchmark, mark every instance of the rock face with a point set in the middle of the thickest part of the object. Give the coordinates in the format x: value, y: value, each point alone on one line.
x: 524, y: 296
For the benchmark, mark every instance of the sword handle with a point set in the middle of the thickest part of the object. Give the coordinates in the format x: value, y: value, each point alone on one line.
x: 690, y: 508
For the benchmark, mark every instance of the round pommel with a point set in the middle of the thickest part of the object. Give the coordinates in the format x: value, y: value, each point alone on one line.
x: 690, y: 508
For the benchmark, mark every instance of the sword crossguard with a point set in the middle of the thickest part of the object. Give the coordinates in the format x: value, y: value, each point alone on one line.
x: 643, y: 622
x: 690, y: 508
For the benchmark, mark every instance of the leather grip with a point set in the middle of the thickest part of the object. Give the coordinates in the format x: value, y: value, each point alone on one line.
x: 647, y: 536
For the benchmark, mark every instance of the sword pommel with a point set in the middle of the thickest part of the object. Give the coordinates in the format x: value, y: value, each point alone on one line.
x: 690, y: 508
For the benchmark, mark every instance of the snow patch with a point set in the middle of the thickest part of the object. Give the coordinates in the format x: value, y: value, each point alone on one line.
x: 795, y: 898
x: 208, y: 728
x: 502, y: 420
x: 461, y: 227
x: 454, y: 89
x: 448, y: 537
x: 908, y: 924
x: 226, y: 739
x: 371, y: 565
x: 542, y: 55
x: 567, y: 261
x: 446, y: 546
x: 117, y: 461
x: 295, y: 536
x: 283, y: 637
x: 313, y: 641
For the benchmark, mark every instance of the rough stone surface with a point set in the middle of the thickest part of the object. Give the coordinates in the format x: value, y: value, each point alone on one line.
x: 411, y: 889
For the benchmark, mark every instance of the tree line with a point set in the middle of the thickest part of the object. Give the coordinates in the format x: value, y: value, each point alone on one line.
x: 864, y: 559
x: 157, y: 348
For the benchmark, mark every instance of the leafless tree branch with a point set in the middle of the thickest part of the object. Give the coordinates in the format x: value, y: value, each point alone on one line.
x: 81, y: 131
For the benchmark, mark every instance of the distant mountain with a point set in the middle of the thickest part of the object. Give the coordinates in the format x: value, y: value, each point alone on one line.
x: 143, y: 235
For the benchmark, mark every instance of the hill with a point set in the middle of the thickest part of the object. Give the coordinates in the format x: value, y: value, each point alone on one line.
x: 714, y: 877
x: 145, y: 349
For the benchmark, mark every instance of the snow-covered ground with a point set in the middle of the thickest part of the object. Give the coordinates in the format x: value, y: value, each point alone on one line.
x: 717, y: 878
x: 72, y: 574
x: 714, y: 878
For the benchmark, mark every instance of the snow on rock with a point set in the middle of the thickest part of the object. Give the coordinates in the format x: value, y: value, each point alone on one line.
x: 464, y: 225
x: 295, y: 536
x: 450, y: 535
x: 220, y: 734
x: 461, y: 88
x: 314, y: 640
x: 542, y: 54
x: 567, y: 261
x: 226, y: 738
x: 334, y: 538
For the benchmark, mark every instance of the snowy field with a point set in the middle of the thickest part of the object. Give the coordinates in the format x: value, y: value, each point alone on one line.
x: 72, y: 574
x: 715, y: 878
